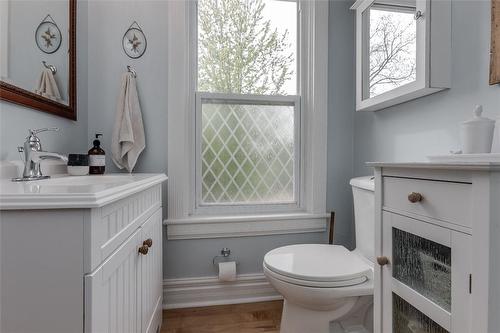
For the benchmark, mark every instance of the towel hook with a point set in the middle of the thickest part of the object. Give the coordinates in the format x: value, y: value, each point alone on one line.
x: 131, y: 70
x: 52, y: 68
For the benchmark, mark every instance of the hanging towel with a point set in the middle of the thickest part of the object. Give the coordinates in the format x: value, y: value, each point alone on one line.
x: 128, y: 139
x: 47, y: 86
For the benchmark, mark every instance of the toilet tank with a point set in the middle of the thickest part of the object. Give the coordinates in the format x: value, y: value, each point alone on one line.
x: 363, y: 191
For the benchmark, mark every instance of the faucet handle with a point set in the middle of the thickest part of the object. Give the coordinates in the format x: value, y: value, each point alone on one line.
x: 36, y: 131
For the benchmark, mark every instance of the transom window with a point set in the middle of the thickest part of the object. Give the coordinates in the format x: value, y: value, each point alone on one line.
x: 247, y: 103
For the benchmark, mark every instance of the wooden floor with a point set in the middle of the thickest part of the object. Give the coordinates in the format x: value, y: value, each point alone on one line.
x: 237, y: 318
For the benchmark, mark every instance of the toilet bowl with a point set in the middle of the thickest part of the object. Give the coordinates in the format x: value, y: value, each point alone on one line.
x: 327, y: 288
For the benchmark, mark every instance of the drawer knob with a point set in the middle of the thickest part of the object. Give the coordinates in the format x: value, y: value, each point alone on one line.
x: 415, y: 197
x: 382, y: 261
x: 148, y: 242
x: 144, y: 250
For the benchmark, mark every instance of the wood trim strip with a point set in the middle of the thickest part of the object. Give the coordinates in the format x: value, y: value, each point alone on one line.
x: 14, y: 94
x: 495, y: 43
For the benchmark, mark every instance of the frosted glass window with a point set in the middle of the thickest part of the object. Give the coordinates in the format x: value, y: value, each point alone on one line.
x: 423, y: 265
x: 407, y: 319
x: 247, y: 152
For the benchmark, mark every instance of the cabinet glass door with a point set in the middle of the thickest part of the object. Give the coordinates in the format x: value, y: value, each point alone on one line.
x: 422, y: 265
x: 407, y: 319
x: 425, y: 283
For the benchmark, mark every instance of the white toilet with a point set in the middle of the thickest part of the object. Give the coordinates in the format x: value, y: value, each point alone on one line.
x: 328, y: 288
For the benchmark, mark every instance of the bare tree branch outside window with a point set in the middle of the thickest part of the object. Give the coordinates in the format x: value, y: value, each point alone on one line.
x: 392, y: 50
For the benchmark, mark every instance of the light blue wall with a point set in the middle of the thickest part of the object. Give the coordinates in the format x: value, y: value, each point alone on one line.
x: 107, y: 62
x: 100, y: 64
x: 405, y: 132
x: 193, y: 258
x: 341, y: 85
x: 15, y: 120
x: 186, y: 258
x: 430, y: 125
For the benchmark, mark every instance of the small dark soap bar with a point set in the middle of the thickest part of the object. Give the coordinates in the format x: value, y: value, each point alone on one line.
x: 78, y: 160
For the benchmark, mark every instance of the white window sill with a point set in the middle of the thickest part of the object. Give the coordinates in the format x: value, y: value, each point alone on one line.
x: 245, y: 225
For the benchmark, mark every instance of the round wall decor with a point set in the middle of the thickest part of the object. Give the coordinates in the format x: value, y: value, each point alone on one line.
x: 134, y: 41
x: 48, y: 36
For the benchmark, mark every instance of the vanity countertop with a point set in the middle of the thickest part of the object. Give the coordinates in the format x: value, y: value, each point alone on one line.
x: 63, y: 191
x: 475, y: 166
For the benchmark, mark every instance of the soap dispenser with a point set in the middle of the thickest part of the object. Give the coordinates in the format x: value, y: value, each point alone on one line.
x: 97, y: 158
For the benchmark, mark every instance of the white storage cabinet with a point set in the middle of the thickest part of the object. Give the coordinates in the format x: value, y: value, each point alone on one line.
x: 436, y: 248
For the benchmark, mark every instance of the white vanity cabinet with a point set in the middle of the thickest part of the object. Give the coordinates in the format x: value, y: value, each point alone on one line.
x: 124, y: 294
x: 436, y: 232
x: 91, y: 261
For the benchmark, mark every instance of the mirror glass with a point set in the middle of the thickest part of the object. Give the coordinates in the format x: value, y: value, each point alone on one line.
x: 390, y: 46
x: 34, y: 50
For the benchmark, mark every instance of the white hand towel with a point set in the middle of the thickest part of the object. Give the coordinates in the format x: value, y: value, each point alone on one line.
x: 47, y: 86
x: 128, y: 140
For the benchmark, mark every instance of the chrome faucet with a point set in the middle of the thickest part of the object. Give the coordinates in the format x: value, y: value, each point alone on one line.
x: 33, y: 155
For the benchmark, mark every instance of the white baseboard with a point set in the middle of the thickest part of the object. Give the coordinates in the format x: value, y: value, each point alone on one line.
x: 207, y: 291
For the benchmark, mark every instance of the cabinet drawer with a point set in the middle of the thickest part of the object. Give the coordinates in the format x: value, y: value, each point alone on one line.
x: 446, y: 201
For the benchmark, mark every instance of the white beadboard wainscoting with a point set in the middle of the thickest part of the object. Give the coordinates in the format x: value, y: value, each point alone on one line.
x: 206, y: 291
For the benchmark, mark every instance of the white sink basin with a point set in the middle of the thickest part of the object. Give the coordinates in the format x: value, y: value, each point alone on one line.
x: 85, y: 180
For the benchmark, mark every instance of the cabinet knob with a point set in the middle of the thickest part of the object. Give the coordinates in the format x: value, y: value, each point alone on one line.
x: 383, y: 260
x: 144, y: 250
x: 148, y: 242
x: 415, y: 197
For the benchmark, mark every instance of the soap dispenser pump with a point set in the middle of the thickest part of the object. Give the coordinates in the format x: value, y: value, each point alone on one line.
x: 97, y: 157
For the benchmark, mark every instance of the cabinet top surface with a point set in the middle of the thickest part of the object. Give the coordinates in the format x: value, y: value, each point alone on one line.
x: 63, y: 191
x: 476, y: 166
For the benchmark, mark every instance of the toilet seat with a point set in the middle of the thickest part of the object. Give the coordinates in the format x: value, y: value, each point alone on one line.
x: 317, y: 265
x: 315, y: 284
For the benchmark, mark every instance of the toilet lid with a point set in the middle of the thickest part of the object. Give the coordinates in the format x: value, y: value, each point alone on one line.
x: 317, y: 262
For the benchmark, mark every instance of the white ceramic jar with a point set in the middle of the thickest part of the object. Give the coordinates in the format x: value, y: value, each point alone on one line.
x: 477, y: 133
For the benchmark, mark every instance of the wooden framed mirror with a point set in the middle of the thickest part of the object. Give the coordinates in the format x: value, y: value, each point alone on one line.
x: 38, y: 55
x: 495, y: 42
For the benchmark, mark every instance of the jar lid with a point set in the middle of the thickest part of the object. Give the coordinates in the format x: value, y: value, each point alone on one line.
x: 78, y: 160
x: 478, y: 118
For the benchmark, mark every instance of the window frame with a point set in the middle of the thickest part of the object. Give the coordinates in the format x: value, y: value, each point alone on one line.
x: 184, y: 221
x: 198, y: 208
